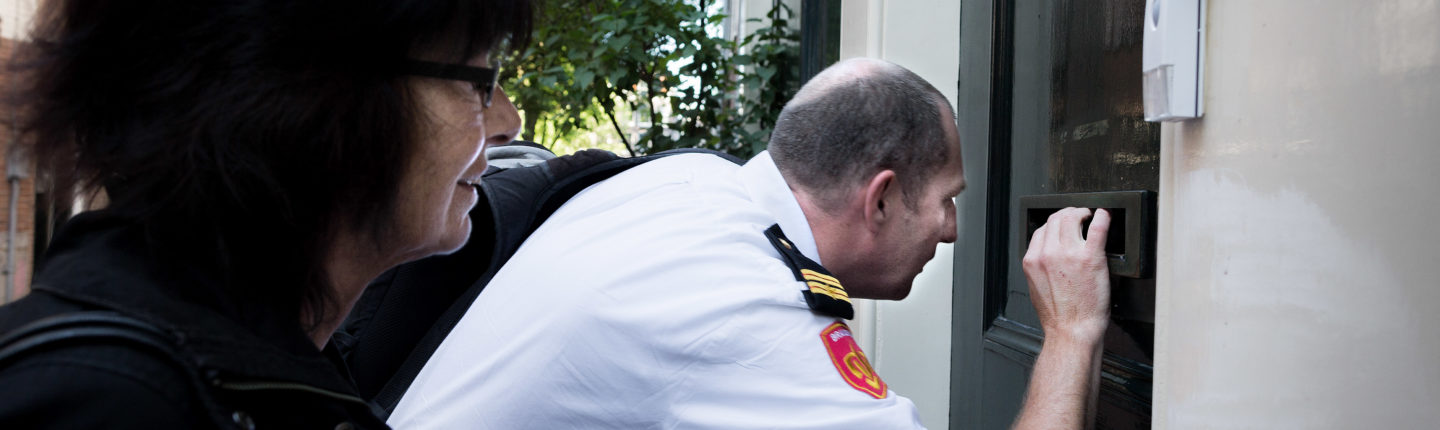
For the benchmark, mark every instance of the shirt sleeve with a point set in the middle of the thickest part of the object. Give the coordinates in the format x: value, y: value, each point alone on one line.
x: 788, y: 369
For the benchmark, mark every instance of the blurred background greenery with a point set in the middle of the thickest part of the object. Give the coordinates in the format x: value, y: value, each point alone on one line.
x: 642, y: 76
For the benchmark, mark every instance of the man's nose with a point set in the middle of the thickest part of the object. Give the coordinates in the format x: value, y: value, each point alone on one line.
x: 502, y: 120
x: 951, y: 233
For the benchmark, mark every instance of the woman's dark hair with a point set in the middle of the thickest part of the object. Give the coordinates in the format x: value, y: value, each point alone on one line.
x: 241, y: 135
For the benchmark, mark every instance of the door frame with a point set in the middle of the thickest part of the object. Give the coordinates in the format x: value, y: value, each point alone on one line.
x: 986, y: 36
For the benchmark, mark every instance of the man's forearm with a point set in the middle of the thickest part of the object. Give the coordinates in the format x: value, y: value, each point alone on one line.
x: 1064, y: 383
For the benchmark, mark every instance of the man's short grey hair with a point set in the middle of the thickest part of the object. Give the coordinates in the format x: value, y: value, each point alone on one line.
x: 855, y: 119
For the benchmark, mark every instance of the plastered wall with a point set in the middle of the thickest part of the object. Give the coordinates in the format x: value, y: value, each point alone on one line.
x: 1299, y: 244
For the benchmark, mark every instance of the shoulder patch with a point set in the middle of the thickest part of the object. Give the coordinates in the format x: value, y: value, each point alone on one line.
x: 824, y: 293
x: 847, y: 357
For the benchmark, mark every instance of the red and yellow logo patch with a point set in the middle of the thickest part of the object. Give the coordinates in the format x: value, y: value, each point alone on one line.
x: 851, y: 361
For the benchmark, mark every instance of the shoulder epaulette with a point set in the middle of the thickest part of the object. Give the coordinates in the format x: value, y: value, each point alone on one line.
x: 824, y: 293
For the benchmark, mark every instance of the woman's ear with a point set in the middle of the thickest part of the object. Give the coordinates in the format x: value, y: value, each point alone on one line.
x: 877, y: 198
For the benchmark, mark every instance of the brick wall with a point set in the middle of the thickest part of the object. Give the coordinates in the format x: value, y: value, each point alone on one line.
x: 23, y: 242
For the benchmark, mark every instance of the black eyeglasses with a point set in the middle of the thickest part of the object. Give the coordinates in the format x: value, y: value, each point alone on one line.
x: 483, y: 78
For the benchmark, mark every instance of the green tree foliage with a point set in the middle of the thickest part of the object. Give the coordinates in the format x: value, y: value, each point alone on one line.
x: 597, y: 62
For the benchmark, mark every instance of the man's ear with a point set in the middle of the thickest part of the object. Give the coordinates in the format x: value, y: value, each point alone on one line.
x: 879, y: 203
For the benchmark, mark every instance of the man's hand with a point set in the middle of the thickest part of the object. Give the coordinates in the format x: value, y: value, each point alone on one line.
x: 1070, y: 288
x: 1069, y: 279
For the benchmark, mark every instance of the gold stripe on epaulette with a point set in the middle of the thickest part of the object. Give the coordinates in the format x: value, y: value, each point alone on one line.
x: 817, y: 276
x: 828, y: 291
x: 827, y: 287
x: 827, y: 294
x: 829, y: 284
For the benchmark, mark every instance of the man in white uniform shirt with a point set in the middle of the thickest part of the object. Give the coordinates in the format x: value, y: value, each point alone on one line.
x: 689, y: 292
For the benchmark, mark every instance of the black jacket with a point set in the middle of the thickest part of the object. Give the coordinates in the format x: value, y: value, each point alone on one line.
x: 257, y: 370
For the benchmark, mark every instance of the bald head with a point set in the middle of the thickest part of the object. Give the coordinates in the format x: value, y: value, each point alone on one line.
x: 843, y: 72
x: 856, y: 118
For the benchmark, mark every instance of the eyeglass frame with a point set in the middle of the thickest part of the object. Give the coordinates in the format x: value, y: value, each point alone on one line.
x: 483, y: 79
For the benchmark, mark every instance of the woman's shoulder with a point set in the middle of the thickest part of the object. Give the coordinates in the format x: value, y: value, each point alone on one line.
x: 115, y: 384
x: 95, y: 386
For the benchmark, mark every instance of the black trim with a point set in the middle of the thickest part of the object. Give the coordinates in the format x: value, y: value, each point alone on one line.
x: 997, y: 196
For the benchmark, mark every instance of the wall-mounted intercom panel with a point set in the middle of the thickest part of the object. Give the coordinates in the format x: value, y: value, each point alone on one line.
x: 1173, y: 61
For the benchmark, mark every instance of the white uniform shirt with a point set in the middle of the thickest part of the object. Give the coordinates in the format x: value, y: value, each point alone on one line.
x: 654, y: 300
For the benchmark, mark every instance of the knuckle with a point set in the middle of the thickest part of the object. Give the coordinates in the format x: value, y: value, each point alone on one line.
x: 1072, y: 214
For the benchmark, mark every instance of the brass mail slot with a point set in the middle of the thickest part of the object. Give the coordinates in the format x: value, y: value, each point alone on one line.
x: 1130, y: 244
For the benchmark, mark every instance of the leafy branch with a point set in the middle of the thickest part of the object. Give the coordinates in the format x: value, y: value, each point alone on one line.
x: 661, y: 67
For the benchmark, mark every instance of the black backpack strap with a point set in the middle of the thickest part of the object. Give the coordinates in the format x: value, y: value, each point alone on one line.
x: 568, y: 176
x: 92, y: 327
x: 81, y: 327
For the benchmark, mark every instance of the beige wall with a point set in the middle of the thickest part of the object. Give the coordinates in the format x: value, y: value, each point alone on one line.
x: 909, y: 340
x: 1299, y: 241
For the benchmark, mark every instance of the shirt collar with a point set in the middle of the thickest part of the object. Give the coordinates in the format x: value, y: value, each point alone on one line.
x: 769, y: 189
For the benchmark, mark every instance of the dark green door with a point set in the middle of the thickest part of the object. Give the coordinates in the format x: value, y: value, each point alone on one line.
x: 1049, y: 103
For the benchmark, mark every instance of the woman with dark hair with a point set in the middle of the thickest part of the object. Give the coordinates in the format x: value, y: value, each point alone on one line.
x: 263, y: 160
